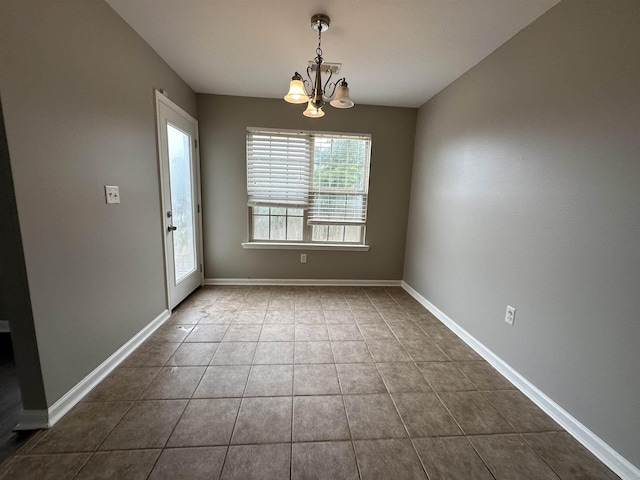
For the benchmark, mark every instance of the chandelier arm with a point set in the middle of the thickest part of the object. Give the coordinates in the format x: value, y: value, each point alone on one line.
x: 332, y: 85
x: 310, y: 81
x: 305, y: 83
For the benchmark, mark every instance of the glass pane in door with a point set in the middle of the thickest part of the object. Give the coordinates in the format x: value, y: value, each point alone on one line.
x: 184, y: 253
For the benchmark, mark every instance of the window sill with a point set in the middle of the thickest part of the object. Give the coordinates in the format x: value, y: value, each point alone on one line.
x: 337, y: 247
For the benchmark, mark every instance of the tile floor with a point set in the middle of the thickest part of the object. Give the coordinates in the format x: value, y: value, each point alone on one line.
x: 304, y: 383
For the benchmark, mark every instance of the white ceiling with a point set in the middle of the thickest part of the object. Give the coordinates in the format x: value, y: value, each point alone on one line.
x: 393, y: 52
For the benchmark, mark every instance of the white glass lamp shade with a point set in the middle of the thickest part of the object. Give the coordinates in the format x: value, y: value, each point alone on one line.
x: 312, y: 111
x: 342, y: 100
x: 296, y: 92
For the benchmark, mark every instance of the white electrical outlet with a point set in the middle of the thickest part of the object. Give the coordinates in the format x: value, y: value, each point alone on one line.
x: 303, y: 258
x: 112, y: 194
x: 510, y: 316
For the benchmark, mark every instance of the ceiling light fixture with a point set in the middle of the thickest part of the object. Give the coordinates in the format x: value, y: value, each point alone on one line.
x: 319, y: 92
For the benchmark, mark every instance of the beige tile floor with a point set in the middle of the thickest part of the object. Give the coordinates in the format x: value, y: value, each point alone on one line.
x: 304, y: 383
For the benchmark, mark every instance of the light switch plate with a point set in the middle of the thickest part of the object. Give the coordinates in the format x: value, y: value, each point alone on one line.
x: 112, y: 194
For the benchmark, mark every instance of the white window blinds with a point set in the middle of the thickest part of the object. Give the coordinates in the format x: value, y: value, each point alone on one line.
x: 340, y: 179
x: 326, y: 174
x: 277, y: 169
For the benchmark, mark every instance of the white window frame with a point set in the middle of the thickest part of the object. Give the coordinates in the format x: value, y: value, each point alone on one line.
x: 307, y: 243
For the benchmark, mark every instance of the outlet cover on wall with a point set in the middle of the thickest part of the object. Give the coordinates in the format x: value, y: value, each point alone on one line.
x: 510, y: 316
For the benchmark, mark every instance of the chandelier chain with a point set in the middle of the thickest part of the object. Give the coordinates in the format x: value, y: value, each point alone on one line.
x: 319, y: 49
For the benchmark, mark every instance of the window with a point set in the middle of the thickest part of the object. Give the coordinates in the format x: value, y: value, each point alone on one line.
x: 307, y: 187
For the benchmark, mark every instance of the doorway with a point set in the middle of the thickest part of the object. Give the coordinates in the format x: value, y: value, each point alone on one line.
x: 180, y: 187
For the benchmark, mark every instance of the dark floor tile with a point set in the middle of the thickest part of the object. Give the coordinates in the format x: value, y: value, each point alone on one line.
x: 339, y: 317
x: 329, y: 304
x: 130, y: 464
x: 185, y: 317
x: 484, y: 376
x: 277, y: 332
x: 223, y: 381
x: 311, y: 332
x: 207, y: 333
x: 234, y: 353
x: 254, y: 316
x: 344, y: 332
x: 43, y: 467
x: 271, y: 353
x: 438, y: 331
x: 408, y: 331
x: 279, y: 317
x: 193, y: 354
x: 263, y: 420
x: 147, y: 424
x: 217, y: 317
x: 312, y: 352
x: 376, y: 332
x: 315, y: 380
x: 424, y: 350
x: 451, y: 458
x: 258, y: 462
x: 424, y: 415
x: 386, y: 459
x: 323, y: 461
x: 151, y: 354
x: 474, y: 413
x: 282, y: 304
x: 270, y: 380
x: 388, y: 351
x: 521, y: 412
x: 394, y: 316
x: 360, y: 303
x: 206, y: 422
x: 445, y: 376
x: 310, y: 317
x: 171, y: 333
x: 351, y: 352
x: 203, y: 463
x: 373, y: 416
x: 360, y: 378
x: 122, y: 384
x: 403, y: 377
x: 567, y: 457
x: 457, y: 350
x: 83, y: 428
x: 308, y: 304
x: 319, y: 418
x: 509, y: 457
x: 174, y: 382
x: 242, y: 333
x: 367, y: 316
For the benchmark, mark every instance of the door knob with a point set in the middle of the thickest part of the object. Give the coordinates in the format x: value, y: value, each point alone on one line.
x: 171, y: 228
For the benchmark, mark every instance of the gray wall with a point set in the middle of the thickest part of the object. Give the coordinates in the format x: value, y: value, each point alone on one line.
x: 77, y: 92
x: 223, y: 125
x: 525, y: 191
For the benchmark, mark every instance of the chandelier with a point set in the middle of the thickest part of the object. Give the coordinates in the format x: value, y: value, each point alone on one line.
x: 319, y: 91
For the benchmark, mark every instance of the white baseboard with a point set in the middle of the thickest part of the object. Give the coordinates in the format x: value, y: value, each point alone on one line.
x: 4, y: 326
x: 607, y: 455
x: 302, y: 282
x: 35, y: 419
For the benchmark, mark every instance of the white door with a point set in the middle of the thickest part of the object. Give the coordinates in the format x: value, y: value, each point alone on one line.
x: 180, y: 185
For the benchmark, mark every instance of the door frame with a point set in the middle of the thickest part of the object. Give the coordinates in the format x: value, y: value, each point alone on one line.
x: 160, y: 97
